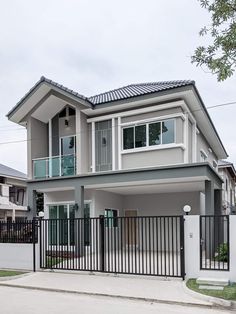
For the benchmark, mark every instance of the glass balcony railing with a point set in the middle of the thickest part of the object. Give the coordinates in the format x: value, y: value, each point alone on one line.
x: 56, y: 166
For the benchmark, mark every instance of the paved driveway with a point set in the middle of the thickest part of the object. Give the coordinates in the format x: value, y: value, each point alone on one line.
x: 22, y: 301
x: 126, y: 286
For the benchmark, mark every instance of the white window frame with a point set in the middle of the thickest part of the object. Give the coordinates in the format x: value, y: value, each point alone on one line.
x: 148, y: 147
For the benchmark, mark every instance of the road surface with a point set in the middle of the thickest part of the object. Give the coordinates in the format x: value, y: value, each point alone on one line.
x: 23, y: 301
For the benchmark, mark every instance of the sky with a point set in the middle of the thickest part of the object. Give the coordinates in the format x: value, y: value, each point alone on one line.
x: 93, y: 46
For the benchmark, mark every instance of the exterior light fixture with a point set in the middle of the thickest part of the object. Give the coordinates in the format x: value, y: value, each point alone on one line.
x: 187, y: 209
x: 41, y: 214
x: 76, y: 207
x: 66, y: 123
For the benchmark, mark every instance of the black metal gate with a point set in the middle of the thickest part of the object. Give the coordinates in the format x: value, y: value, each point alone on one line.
x: 214, y: 242
x: 151, y: 245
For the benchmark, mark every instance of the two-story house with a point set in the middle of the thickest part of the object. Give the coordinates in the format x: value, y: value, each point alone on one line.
x: 228, y: 173
x: 12, y: 194
x: 143, y: 149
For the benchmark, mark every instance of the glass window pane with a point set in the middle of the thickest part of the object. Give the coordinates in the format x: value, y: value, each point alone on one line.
x: 155, y: 133
x: 68, y: 145
x: 140, y: 136
x: 168, y: 132
x: 40, y: 168
x: 128, y: 138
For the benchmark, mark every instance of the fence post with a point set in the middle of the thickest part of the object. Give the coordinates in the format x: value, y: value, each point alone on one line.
x: 34, y: 222
x: 182, y: 257
x: 102, y: 258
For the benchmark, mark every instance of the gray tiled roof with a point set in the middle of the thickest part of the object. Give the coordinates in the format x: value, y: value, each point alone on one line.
x: 10, y: 172
x: 135, y: 90
x: 223, y: 163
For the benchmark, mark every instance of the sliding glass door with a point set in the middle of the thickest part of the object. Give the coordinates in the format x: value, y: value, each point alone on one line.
x: 61, y: 224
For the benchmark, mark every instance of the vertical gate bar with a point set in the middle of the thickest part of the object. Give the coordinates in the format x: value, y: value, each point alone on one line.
x: 165, y: 245
x: 214, y: 241
x: 90, y: 242
x: 153, y: 248
x: 146, y: 246
x: 33, y: 240
x: 172, y: 236
x: 210, y: 240
x: 40, y: 243
x: 142, y: 232
x: 101, y: 243
x: 128, y: 244
x: 168, y: 242
x: 182, y: 247
x: 149, y: 246
x: 115, y: 244
x: 138, y: 247
x: 157, y: 247
x: 135, y: 241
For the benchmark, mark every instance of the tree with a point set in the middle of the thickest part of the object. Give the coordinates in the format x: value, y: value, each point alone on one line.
x: 219, y: 56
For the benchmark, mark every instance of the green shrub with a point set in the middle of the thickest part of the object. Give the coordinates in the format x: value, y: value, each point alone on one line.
x: 222, y: 253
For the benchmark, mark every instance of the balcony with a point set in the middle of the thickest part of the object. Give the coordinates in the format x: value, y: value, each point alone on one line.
x: 56, y: 166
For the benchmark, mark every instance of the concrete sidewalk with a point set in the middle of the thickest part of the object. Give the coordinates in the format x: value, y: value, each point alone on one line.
x: 129, y: 287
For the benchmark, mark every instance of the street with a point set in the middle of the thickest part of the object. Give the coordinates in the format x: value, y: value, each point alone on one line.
x: 24, y: 301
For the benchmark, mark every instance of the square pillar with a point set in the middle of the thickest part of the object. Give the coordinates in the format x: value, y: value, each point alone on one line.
x: 218, y: 202
x: 209, y: 198
x: 31, y: 203
x: 79, y: 222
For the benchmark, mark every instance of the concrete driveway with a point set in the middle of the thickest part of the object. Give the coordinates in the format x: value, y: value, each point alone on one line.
x: 126, y: 287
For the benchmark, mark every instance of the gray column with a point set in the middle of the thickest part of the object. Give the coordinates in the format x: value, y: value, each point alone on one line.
x: 79, y: 223
x: 218, y: 202
x: 209, y: 198
x: 31, y: 203
x: 79, y: 200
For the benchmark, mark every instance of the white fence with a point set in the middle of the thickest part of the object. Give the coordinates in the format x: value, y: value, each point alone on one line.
x: 18, y: 256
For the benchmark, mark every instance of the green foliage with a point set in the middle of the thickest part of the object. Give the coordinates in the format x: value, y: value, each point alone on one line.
x: 220, y: 56
x: 53, y: 261
x: 229, y: 292
x: 8, y: 273
x: 222, y: 253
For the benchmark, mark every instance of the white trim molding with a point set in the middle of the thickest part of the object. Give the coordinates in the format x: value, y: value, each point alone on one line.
x: 186, y: 138
x: 119, y: 144
x: 151, y: 148
x: 128, y: 113
x: 93, y: 148
x: 113, y: 132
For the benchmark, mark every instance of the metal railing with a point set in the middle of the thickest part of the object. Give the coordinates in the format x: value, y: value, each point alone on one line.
x: 128, y: 245
x: 214, y: 242
x: 18, y: 231
x: 55, y: 166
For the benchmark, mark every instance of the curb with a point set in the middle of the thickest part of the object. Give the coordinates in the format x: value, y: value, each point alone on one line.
x: 215, y: 301
x: 130, y: 298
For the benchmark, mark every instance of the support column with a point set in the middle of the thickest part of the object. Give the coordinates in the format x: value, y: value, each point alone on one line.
x: 31, y: 203
x: 79, y: 223
x: 13, y: 216
x: 218, y: 202
x: 209, y: 198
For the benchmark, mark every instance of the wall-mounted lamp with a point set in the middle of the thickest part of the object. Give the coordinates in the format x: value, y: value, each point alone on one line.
x: 187, y: 209
x: 40, y: 214
x: 76, y: 207
x: 28, y: 208
x: 66, y: 123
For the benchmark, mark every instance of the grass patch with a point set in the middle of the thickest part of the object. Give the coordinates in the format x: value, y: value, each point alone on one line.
x: 229, y: 292
x: 8, y: 273
x: 52, y: 261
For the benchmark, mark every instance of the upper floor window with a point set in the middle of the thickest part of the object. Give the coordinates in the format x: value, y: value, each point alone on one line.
x: 149, y: 134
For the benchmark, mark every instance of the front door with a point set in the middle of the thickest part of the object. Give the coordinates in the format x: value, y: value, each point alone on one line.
x: 131, y: 227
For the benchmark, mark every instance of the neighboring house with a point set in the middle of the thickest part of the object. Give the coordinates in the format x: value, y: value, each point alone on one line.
x: 228, y: 173
x: 143, y: 149
x: 12, y: 194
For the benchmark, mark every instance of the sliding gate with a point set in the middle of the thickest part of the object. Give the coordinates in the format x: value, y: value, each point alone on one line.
x: 127, y: 245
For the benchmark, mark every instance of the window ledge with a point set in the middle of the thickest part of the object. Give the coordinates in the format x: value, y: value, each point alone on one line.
x: 151, y: 148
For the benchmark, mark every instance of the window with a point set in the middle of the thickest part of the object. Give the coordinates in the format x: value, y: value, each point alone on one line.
x: 111, y: 218
x: 149, y: 134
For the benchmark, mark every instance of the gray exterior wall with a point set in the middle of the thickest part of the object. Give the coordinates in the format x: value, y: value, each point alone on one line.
x: 152, y: 158
x: 203, y: 144
x: 154, y: 114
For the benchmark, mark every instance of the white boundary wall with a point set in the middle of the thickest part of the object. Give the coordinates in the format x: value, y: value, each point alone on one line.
x: 18, y: 256
x: 192, y: 251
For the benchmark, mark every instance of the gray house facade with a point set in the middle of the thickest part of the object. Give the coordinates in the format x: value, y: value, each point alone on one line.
x: 140, y: 150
